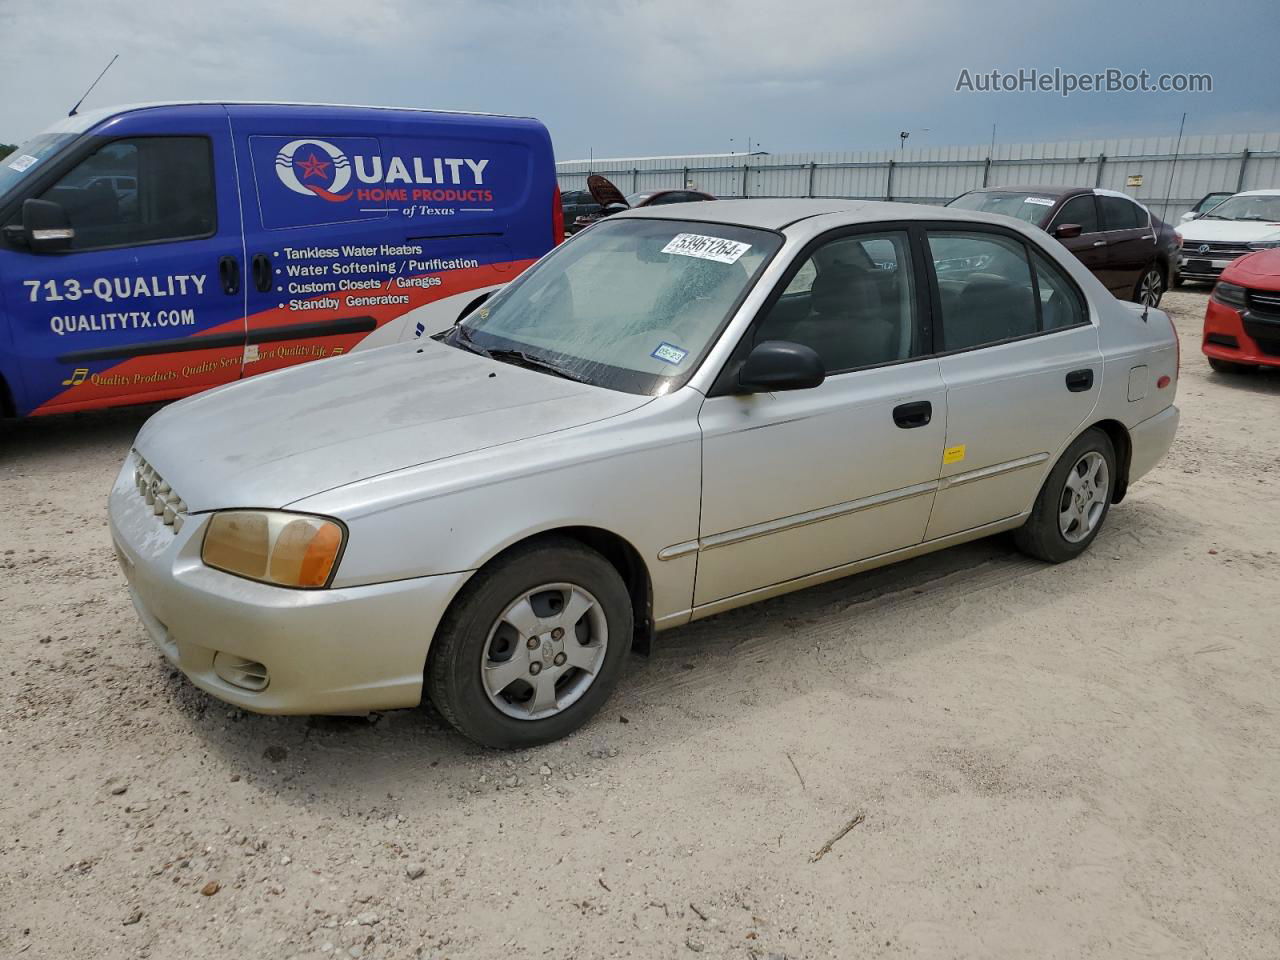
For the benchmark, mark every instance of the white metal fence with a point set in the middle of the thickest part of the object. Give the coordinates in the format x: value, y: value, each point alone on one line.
x: 1139, y: 167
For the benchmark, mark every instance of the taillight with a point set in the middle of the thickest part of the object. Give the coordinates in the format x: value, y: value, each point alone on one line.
x: 557, y: 217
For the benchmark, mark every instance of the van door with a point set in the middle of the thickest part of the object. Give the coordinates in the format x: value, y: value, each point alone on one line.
x: 146, y: 303
x: 356, y: 218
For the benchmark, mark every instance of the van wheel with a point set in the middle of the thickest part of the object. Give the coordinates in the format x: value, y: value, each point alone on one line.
x: 1150, y: 287
x: 533, y: 646
x: 1074, y: 501
x: 1227, y: 366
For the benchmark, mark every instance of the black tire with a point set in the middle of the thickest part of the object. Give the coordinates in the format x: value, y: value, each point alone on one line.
x: 453, y: 673
x: 1227, y: 366
x: 1041, y: 536
x: 1153, y: 275
x: 1176, y: 280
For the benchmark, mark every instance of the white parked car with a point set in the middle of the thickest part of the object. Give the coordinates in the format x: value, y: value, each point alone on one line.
x: 680, y: 411
x: 1246, y: 222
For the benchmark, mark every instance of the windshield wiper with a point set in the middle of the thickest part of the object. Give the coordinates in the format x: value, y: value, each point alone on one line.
x: 521, y: 359
x: 461, y: 336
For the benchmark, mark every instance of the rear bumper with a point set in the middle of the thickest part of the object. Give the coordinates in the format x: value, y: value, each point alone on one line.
x: 1229, y: 335
x: 348, y: 650
x: 1151, y: 440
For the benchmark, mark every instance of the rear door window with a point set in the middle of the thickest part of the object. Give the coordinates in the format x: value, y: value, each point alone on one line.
x: 985, y: 288
x: 1119, y: 213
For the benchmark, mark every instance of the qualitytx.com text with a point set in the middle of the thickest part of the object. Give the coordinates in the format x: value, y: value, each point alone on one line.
x: 1064, y: 83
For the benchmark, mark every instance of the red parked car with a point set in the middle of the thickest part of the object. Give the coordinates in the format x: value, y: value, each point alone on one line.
x: 1242, y: 321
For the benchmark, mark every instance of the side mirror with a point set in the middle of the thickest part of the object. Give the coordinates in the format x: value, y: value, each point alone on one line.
x: 1065, y: 231
x: 616, y: 208
x: 774, y: 365
x: 1189, y: 215
x: 46, y: 227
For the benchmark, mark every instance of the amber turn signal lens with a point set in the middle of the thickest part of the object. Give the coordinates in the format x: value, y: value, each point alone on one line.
x: 286, y: 549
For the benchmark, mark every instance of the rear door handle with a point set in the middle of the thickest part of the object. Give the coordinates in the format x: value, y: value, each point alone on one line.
x: 1099, y: 243
x: 1079, y: 381
x: 909, y: 415
x: 262, y: 272
x: 229, y: 274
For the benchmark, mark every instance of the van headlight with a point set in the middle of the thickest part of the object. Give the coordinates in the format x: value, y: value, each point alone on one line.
x: 286, y: 549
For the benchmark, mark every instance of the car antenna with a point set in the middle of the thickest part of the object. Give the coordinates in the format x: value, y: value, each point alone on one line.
x: 92, y: 85
x: 1168, y: 192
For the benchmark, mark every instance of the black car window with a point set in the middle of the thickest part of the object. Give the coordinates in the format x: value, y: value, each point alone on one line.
x: 984, y: 286
x: 141, y: 190
x: 1079, y: 210
x: 852, y: 301
x: 1119, y: 213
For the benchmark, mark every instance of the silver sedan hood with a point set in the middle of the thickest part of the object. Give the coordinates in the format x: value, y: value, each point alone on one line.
x: 274, y: 439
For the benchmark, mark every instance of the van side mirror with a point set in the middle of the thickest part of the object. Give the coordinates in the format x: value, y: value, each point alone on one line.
x: 774, y: 365
x: 1066, y: 231
x: 45, y: 226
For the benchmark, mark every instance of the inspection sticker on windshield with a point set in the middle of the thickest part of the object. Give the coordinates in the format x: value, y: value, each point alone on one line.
x: 1038, y: 201
x: 22, y: 162
x: 706, y: 248
x: 669, y: 353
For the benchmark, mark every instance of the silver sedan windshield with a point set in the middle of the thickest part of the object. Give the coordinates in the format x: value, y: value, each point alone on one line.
x: 631, y: 304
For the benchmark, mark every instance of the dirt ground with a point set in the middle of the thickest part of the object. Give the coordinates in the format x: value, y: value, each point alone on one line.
x: 1052, y: 762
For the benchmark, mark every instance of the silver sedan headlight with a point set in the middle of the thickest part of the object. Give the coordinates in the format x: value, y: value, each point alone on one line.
x: 272, y: 546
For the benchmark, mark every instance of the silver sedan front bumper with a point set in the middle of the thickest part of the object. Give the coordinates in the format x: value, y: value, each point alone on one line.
x: 271, y: 649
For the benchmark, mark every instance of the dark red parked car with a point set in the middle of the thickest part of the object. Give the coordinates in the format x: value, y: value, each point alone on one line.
x: 1120, y: 241
x: 1242, y: 321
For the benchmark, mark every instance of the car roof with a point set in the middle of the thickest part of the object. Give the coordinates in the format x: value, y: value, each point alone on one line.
x: 1258, y: 193
x: 1053, y: 191
x: 777, y: 214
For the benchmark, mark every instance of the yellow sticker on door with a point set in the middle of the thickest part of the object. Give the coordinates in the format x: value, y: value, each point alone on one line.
x: 953, y: 454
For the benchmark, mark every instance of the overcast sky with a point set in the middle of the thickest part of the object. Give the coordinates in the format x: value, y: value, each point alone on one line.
x: 629, y: 77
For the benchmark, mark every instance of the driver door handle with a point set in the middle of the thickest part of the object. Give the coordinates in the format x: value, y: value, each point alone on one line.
x: 1099, y: 243
x: 910, y: 415
x: 229, y: 274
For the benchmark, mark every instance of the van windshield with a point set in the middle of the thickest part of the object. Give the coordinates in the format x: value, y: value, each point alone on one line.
x: 29, y: 158
x: 630, y: 304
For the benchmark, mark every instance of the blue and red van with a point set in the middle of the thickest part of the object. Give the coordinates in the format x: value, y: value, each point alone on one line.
x: 150, y: 252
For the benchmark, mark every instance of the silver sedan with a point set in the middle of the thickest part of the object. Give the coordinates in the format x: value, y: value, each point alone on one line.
x: 682, y: 410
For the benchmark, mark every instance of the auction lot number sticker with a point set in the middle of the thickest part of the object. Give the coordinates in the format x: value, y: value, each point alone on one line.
x: 706, y: 248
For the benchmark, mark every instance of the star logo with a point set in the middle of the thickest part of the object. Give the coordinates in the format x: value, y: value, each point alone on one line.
x: 313, y: 166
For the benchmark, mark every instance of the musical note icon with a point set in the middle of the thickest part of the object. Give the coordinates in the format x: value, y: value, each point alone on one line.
x: 77, y: 378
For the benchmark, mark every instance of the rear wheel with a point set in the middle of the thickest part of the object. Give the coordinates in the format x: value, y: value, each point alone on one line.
x: 1074, y: 501
x: 533, y: 646
x: 1227, y: 366
x: 1150, y: 286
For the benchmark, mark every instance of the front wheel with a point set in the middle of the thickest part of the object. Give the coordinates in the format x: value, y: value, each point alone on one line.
x: 1150, y: 287
x: 1074, y: 501
x: 532, y: 647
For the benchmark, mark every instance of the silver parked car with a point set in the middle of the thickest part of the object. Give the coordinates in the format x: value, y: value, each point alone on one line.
x: 682, y: 410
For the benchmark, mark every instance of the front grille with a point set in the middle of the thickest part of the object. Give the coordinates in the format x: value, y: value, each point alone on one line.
x: 163, y: 500
x: 1217, y: 251
x: 1265, y: 303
